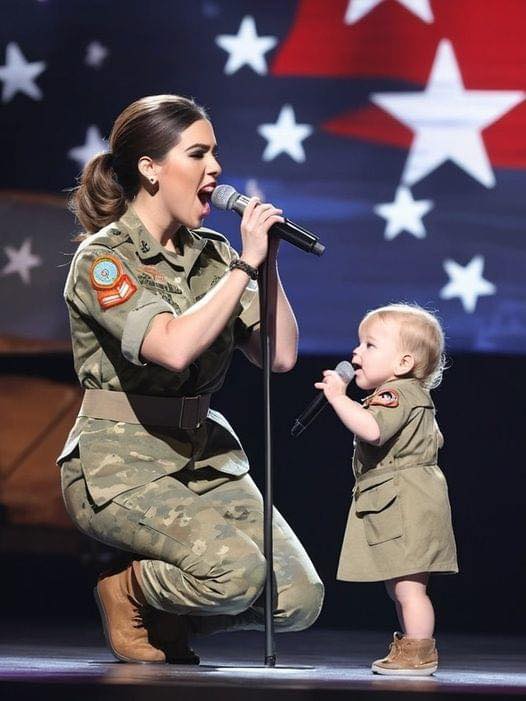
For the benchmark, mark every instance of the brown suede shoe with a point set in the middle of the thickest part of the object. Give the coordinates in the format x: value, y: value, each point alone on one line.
x: 408, y: 656
x: 124, y: 610
x: 169, y: 632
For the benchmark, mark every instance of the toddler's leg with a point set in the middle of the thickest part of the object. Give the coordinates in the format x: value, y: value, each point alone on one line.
x: 413, y: 652
x: 413, y: 605
x: 390, y: 590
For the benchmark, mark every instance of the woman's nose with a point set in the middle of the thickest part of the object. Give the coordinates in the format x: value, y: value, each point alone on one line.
x: 214, y: 167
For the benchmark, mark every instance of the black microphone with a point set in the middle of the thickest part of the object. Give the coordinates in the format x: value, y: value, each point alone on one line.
x: 346, y: 371
x: 226, y: 197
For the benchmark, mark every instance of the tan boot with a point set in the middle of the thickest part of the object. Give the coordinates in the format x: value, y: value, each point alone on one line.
x: 408, y: 656
x: 124, y: 610
x: 169, y: 632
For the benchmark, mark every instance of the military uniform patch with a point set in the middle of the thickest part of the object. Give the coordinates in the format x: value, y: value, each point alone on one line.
x: 111, y: 283
x: 387, y: 397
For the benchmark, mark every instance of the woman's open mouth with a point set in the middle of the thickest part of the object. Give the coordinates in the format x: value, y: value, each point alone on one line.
x: 204, y: 195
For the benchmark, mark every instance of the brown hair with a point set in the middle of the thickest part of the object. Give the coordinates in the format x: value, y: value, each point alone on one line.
x: 150, y: 127
x: 421, y: 334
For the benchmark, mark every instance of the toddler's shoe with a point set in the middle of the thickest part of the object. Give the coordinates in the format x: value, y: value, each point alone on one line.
x: 408, y: 656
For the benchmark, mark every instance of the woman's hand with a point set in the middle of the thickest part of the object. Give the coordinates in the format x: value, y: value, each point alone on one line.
x: 255, y: 224
x: 332, y: 385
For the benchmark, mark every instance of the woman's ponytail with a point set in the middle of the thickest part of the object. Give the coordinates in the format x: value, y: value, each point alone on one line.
x: 99, y: 199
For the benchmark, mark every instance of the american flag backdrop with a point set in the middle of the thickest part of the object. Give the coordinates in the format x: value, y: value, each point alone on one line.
x: 393, y: 129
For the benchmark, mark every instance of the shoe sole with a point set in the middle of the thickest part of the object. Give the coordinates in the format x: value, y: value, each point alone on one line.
x: 103, y: 616
x: 422, y: 672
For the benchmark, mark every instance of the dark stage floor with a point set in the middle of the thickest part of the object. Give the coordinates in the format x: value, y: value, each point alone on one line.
x: 72, y: 663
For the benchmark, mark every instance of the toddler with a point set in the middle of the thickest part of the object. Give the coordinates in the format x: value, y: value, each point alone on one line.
x: 399, y: 527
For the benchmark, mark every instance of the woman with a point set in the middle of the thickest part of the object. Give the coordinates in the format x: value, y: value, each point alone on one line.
x: 157, y: 306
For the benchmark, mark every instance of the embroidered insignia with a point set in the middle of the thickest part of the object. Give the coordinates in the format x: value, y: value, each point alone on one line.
x: 152, y: 272
x: 387, y: 397
x: 105, y: 272
x: 145, y: 247
x: 110, y: 281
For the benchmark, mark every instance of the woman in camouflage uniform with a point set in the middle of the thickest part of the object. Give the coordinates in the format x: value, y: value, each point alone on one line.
x: 157, y: 305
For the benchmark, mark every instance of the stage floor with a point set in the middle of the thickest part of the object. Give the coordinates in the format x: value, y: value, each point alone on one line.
x: 72, y: 663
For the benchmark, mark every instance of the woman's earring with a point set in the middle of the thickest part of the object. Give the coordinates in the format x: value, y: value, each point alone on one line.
x: 152, y: 186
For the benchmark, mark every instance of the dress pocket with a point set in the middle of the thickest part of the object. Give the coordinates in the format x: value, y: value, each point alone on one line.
x: 379, y: 507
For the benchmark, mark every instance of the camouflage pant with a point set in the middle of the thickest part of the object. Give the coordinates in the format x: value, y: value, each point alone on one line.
x: 201, y: 536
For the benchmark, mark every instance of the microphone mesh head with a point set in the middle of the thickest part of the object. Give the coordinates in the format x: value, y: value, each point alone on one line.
x: 345, y: 370
x: 223, y: 196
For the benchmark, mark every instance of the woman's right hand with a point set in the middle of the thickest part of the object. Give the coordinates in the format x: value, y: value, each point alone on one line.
x: 255, y: 224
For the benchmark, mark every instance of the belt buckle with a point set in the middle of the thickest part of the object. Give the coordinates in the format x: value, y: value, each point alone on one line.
x: 189, y: 417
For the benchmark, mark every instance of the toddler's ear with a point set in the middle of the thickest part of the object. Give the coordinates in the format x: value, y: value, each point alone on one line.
x: 405, y: 364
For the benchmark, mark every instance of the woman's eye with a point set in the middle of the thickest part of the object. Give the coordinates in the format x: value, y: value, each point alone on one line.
x: 197, y: 154
x: 370, y: 345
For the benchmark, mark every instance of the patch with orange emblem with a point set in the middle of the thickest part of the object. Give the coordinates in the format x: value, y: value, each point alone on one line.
x: 111, y: 283
x: 386, y: 397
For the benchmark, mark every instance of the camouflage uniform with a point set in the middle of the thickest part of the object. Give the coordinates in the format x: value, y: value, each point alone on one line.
x: 400, y: 519
x: 181, y: 499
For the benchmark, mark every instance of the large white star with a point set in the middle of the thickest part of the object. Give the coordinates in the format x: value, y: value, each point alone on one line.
x: 448, y: 120
x: 356, y: 9
x: 246, y: 47
x: 96, y: 54
x: 285, y: 136
x: 21, y: 261
x: 466, y: 283
x: 18, y: 75
x: 93, y: 145
x: 404, y: 214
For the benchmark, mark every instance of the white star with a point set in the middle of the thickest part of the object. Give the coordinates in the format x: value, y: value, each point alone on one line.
x: 246, y: 48
x: 18, y: 75
x: 448, y: 120
x: 404, y: 214
x: 21, y: 261
x: 285, y: 136
x: 356, y: 9
x: 93, y: 145
x: 96, y: 54
x: 466, y: 283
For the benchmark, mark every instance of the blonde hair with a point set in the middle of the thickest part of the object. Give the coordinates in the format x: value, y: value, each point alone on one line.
x: 420, y: 334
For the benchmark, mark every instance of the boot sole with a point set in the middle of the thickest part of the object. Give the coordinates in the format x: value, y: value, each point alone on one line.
x: 121, y: 658
x: 422, y: 672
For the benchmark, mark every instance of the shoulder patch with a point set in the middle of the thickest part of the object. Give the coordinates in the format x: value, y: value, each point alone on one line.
x: 386, y: 397
x: 109, y: 280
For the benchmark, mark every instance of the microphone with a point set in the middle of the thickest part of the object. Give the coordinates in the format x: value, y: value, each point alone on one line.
x: 346, y: 371
x: 226, y: 197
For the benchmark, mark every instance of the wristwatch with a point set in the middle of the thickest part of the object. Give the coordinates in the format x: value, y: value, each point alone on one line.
x: 245, y: 267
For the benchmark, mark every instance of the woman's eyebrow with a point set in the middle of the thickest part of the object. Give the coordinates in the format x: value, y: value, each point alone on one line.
x: 205, y: 147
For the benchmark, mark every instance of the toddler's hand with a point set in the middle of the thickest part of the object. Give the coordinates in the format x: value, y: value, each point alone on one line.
x: 332, y: 385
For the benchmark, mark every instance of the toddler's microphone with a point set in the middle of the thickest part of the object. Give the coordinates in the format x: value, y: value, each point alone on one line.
x: 346, y: 371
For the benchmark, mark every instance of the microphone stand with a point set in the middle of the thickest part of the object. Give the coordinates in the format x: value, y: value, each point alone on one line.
x: 265, y: 294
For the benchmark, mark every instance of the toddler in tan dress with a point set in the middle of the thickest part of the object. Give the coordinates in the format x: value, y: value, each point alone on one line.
x: 399, y: 527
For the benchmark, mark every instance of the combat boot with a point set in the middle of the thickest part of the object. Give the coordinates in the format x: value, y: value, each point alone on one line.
x: 408, y: 656
x: 125, y: 616
x: 169, y: 632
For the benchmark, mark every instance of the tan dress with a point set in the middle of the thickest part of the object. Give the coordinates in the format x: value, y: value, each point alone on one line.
x: 400, y: 518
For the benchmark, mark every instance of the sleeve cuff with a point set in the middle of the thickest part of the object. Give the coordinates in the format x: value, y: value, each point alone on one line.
x: 136, y: 327
x: 250, y: 302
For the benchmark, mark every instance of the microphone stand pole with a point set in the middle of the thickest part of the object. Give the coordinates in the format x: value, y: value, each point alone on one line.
x: 265, y: 295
